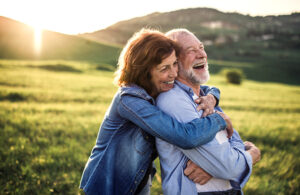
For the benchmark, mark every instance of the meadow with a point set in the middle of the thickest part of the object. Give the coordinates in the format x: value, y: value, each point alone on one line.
x: 50, y: 113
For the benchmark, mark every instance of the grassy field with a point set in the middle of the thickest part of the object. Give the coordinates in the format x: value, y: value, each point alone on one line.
x: 50, y: 112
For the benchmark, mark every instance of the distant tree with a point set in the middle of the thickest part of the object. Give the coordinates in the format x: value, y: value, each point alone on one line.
x: 234, y: 76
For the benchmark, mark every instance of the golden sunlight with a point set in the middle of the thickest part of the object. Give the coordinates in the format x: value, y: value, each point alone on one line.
x: 38, y: 35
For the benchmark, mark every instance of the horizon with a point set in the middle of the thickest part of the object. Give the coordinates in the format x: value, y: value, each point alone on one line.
x: 78, y: 16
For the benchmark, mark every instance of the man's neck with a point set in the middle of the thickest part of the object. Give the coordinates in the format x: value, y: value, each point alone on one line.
x: 194, y: 87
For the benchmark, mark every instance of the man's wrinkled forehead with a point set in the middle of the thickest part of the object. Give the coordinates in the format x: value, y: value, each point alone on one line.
x: 190, y: 41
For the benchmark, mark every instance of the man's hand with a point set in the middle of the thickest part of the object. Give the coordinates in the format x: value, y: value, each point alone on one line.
x: 229, y: 126
x: 196, y: 174
x: 254, y: 151
x: 207, y: 104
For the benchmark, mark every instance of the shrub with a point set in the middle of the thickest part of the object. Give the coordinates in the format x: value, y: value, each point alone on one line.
x: 234, y: 76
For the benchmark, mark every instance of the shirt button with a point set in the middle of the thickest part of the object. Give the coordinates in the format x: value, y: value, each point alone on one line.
x: 135, y: 182
x: 142, y: 171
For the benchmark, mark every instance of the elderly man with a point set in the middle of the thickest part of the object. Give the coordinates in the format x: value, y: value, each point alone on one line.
x: 224, y: 159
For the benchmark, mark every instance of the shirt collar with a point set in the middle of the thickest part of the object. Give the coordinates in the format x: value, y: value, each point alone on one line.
x: 187, y: 89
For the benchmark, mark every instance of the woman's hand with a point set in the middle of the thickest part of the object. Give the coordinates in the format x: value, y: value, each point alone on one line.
x: 207, y: 104
x: 229, y: 126
x: 196, y: 174
x: 254, y: 151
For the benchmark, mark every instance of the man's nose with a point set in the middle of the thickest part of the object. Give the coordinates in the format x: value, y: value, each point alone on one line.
x: 201, y: 54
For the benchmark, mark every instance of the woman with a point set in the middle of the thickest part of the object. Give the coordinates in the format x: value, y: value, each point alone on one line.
x: 121, y: 160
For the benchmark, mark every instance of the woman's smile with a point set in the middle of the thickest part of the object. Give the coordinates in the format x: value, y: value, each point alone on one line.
x: 164, y: 74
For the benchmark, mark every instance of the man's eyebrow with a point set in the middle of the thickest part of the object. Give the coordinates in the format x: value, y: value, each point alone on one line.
x: 189, y: 47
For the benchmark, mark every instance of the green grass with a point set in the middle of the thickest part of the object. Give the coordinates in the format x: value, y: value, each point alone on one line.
x: 50, y: 112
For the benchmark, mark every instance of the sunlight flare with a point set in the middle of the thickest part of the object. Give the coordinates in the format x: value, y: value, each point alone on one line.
x: 38, y: 35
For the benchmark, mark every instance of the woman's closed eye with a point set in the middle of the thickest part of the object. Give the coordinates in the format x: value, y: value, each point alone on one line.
x: 164, y: 69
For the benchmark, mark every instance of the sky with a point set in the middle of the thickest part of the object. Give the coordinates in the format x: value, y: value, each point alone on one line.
x: 80, y: 16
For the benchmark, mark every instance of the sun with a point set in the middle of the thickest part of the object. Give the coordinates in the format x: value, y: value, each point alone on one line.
x: 38, y: 37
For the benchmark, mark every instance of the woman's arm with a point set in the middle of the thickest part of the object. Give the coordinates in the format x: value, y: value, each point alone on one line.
x: 157, y: 123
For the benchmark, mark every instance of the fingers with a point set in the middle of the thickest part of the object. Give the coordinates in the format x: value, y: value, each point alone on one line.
x: 200, y: 176
x: 212, y: 99
x: 197, y: 101
x: 190, y: 167
x: 203, y: 181
x: 255, y: 153
x: 196, y: 174
x: 196, y: 180
x: 205, y: 102
x: 229, y: 127
x: 205, y: 112
x: 188, y: 163
x: 248, y: 145
x: 229, y: 130
x: 200, y: 107
x: 193, y: 177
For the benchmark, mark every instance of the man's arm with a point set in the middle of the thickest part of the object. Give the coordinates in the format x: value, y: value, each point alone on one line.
x: 198, y: 175
x: 228, y: 164
x: 224, y: 160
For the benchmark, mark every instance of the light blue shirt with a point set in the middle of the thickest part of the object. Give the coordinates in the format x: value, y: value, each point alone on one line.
x: 225, y: 159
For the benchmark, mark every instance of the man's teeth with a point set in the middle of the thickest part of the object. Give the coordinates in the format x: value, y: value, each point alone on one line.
x: 169, y: 82
x: 199, y: 65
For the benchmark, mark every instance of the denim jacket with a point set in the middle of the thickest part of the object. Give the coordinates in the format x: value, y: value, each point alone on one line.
x: 125, y: 146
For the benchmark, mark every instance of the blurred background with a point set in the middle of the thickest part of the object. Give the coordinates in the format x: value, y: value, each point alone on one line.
x: 57, y: 60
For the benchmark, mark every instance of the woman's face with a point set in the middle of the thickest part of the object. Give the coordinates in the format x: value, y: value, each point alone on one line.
x: 164, y: 74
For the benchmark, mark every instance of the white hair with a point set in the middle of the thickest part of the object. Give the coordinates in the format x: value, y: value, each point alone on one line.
x: 177, y: 33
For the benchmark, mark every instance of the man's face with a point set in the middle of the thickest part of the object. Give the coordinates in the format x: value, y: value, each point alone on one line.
x: 193, y: 65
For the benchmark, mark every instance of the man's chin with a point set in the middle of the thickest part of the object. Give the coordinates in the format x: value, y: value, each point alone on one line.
x: 204, y: 79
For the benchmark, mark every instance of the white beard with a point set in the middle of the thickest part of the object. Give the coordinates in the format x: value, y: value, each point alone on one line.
x: 193, y: 78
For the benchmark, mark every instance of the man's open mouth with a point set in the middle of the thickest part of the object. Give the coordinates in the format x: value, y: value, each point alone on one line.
x: 199, y: 66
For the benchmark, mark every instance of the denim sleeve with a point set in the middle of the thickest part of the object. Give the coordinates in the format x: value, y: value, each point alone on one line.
x: 228, y: 160
x: 212, y: 90
x: 157, y: 123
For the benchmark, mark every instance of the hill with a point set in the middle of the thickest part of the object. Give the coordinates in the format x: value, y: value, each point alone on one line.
x: 209, y: 24
x: 267, y: 48
x: 17, y: 42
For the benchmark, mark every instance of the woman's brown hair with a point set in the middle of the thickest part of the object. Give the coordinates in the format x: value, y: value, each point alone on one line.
x: 146, y: 49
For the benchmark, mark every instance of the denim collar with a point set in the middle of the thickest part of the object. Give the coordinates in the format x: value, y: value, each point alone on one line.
x: 137, y: 91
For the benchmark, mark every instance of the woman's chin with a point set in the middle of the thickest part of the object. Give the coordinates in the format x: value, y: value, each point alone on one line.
x: 167, y: 88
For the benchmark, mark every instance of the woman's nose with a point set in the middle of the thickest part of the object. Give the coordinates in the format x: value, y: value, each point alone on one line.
x: 173, y: 73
